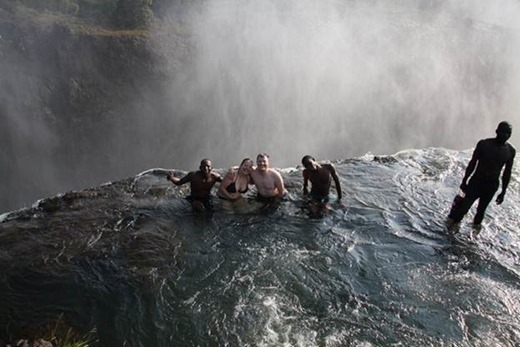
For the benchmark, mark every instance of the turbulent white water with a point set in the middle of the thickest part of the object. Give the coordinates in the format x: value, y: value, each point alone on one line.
x: 131, y: 259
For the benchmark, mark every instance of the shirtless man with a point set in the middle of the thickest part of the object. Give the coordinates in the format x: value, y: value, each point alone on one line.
x: 201, y: 182
x: 488, y: 159
x: 321, y: 176
x: 268, y: 181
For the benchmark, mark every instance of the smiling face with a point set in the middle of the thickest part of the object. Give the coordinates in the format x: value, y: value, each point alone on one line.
x: 262, y: 162
x: 246, y: 167
x: 205, y: 167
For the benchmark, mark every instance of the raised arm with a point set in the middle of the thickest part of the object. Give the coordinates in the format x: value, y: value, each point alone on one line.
x: 217, y: 177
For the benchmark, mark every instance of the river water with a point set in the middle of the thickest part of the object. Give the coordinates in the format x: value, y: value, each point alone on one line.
x: 130, y: 260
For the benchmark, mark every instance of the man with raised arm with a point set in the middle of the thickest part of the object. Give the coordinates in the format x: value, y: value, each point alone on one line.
x: 201, y: 182
x: 484, y: 168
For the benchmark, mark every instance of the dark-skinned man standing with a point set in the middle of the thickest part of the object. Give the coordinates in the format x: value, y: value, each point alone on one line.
x: 489, y: 158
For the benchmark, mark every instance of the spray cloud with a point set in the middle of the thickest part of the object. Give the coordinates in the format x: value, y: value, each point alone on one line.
x: 341, y: 78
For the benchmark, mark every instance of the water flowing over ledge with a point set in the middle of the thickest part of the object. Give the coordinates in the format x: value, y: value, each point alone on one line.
x: 130, y: 259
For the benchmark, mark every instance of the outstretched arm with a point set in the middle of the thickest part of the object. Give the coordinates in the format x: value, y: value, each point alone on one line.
x: 178, y: 181
x: 506, y: 177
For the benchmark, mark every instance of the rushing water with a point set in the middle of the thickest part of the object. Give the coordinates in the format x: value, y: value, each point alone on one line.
x: 132, y: 260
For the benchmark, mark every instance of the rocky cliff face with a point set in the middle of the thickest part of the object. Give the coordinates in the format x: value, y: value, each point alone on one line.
x: 69, y: 90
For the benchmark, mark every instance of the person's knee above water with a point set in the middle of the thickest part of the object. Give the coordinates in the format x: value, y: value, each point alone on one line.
x: 269, y: 183
x: 489, y: 158
x: 320, y: 176
x: 201, y: 183
x: 236, y: 181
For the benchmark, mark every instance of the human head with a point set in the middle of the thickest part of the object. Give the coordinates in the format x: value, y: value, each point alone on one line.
x: 504, y: 131
x: 246, y: 166
x: 307, y: 162
x: 205, y: 166
x: 262, y: 161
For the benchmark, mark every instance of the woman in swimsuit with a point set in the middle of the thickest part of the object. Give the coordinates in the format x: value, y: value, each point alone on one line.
x: 235, y: 184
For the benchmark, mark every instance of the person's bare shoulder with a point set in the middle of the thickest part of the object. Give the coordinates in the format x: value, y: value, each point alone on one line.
x: 275, y: 173
x: 512, y: 149
x: 329, y: 167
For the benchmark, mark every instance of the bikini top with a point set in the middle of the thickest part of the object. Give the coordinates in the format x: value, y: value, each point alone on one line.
x: 232, y: 188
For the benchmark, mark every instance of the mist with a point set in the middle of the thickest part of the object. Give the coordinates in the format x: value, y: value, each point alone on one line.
x: 338, y: 79
x: 334, y: 79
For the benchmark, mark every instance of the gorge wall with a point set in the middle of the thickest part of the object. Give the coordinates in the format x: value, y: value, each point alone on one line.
x: 71, y: 106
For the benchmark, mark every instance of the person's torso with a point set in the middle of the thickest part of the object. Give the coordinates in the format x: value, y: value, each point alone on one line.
x: 239, y: 186
x: 201, y: 185
x: 265, y: 183
x: 321, y: 181
x: 493, y: 157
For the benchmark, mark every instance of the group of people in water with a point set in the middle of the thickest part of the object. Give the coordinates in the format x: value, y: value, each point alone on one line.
x: 483, y: 172
x: 268, y: 182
